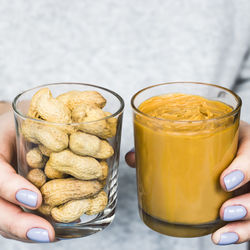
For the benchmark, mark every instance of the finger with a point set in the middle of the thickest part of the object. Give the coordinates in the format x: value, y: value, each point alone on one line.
x: 17, y: 189
x: 11, y: 237
x: 130, y: 158
x: 24, y: 226
x: 236, y: 208
x: 238, y: 173
x: 235, y: 232
x: 6, y: 235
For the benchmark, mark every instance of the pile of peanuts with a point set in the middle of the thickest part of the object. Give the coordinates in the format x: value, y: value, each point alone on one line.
x: 67, y: 160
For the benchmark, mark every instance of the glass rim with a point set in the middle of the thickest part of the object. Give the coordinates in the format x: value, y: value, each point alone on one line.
x: 232, y: 113
x: 25, y: 117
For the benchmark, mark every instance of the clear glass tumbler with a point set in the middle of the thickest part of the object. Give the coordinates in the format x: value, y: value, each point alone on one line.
x: 73, y: 162
x: 179, y: 162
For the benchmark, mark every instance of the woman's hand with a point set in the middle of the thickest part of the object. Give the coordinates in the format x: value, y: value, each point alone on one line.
x: 234, y: 178
x: 16, y: 191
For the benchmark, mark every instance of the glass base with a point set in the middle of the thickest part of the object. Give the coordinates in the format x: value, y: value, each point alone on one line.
x: 180, y: 230
x: 77, y: 230
x: 84, y: 226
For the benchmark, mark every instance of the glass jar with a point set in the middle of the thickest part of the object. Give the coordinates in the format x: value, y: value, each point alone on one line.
x: 179, y: 162
x: 74, y: 160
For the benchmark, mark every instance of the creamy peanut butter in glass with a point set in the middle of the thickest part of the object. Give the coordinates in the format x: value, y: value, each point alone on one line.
x: 185, y: 136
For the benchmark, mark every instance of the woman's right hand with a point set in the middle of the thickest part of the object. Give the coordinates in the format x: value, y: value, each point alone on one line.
x: 16, y: 191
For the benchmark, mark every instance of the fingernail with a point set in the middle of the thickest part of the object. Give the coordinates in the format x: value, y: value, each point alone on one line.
x: 228, y: 238
x: 39, y: 235
x: 232, y: 213
x: 132, y: 150
x: 27, y: 197
x: 233, y: 179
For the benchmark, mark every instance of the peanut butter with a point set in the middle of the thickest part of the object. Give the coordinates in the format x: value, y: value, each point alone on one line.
x: 183, y: 107
x: 183, y: 144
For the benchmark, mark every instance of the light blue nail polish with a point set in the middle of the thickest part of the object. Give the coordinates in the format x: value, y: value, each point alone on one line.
x: 228, y: 238
x: 132, y: 150
x: 27, y: 197
x: 232, y: 213
x: 233, y: 179
x: 39, y: 235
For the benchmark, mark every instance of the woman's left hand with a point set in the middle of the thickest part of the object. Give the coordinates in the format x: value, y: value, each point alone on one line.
x: 236, y: 210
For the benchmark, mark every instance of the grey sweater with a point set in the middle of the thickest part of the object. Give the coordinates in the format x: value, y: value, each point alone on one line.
x: 125, y: 45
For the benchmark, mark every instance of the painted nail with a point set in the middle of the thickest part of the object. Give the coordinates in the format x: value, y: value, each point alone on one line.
x: 27, y: 197
x: 228, y: 238
x: 132, y: 150
x: 233, y: 179
x: 39, y: 235
x: 232, y: 213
